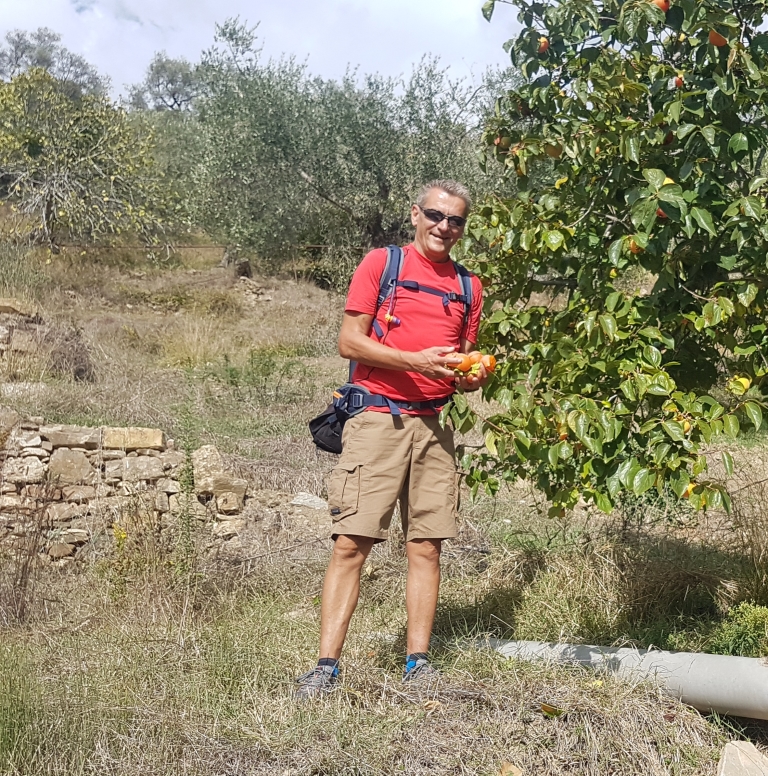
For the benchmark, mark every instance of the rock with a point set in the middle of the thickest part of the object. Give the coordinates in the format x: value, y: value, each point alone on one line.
x: 74, y: 536
x: 168, y: 486
x: 181, y: 501
x: 226, y: 529
x: 133, y: 438
x: 112, y: 455
x: 60, y: 550
x: 207, y: 461
x: 23, y: 470
x: 78, y: 492
x: 13, y: 503
x: 113, y: 470
x: 162, y: 503
x: 26, y: 340
x: 112, y: 507
x: 23, y: 438
x: 12, y: 306
x: 8, y: 419
x: 44, y: 492
x: 148, y: 451
x: 303, y: 499
x: 72, y: 436
x: 70, y: 467
x: 142, y: 468
x: 63, y: 512
x: 33, y: 422
x: 173, y: 460
x: 211, y: 477
x: 37, y: 452
x: 218, y: 484
x: 229, y: 503
x: 46, y: 445
x: 741, y: 758
x: 7, y: 487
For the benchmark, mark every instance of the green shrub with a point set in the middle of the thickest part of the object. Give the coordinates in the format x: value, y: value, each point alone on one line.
x: 743, y: 632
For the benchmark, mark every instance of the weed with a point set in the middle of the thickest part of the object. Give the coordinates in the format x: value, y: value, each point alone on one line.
x: 744, y: 631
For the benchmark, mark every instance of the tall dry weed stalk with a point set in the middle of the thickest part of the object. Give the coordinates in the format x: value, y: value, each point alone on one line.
x: 21, y: 571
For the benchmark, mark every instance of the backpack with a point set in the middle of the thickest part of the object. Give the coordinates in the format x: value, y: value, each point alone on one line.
x: 350, y: 399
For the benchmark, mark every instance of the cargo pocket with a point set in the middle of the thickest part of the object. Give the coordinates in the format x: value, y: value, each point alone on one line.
x: 344, y: 489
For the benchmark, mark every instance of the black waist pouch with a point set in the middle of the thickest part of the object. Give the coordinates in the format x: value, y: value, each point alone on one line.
x: 326, y: 429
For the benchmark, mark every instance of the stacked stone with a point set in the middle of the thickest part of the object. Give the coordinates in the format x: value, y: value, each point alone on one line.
x: 71, y: 484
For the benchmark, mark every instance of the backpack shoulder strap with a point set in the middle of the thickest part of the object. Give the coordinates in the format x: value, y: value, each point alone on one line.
x: 465, y: 278
x: 388, y: 282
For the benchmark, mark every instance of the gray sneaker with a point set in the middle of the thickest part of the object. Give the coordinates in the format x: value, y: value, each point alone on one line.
x: 321, y: 680
x: 422, y: 673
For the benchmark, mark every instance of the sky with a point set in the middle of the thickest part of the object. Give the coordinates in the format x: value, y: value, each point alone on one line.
x: 384, y: 36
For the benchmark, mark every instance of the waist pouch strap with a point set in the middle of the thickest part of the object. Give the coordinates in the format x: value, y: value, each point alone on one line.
x: 356, y: 402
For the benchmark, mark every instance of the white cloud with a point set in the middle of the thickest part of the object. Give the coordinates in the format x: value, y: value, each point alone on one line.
x: 120, y: 36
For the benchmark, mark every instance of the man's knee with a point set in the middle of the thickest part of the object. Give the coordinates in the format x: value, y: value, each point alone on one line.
x: 424, y: 550
x: 352, y: 549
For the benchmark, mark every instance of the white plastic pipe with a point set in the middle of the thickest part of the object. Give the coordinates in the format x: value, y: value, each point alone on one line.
x: 721, y: 683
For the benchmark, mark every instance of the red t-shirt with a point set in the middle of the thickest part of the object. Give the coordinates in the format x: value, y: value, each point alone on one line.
x: 424, y: 321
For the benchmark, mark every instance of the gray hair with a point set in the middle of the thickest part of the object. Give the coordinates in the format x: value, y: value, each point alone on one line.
x: 447, y: 185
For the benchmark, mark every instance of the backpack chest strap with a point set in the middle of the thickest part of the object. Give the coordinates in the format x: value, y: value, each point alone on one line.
x: 447, y: 296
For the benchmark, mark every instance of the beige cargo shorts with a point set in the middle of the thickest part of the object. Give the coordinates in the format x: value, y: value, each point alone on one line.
x: 386, y: 458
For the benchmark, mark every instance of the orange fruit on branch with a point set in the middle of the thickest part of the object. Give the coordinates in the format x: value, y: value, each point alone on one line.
x: 716, y: 39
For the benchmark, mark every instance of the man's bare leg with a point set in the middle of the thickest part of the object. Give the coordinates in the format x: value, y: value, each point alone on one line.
x: 421, y: 591
x: 341, y: 591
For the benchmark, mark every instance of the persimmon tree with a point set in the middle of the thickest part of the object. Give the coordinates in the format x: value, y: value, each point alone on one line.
x: 646, y: 125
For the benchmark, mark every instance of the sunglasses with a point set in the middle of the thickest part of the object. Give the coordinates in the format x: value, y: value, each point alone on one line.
x: 435, y: 216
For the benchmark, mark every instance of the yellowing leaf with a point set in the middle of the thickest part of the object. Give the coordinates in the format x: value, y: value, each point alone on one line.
x: 560, y: 181
x: 551, y: 711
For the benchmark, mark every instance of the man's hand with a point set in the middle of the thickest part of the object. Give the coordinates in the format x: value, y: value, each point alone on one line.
x: 432, y: 362
x: 472, y: 382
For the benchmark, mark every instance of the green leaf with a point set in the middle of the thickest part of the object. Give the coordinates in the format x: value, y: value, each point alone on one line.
x: 747, y: 294
x: 608, y: 325
x: 614, y: 250
x: 655, y: 177
x: 604, y: 504
x: 728, y: 463
x: 754, y: 413
x: 644, y: 480
x: 553, y: 239
x: 488, y: 9
x: 731, y: 426
x: 704, y: 220
x: 679, y: 481
x: 652, y: 355
x: 674, y: 429
x: 633, y: 149
x: 460, y: 401
x: 738, y: 143
x: 752, y: 207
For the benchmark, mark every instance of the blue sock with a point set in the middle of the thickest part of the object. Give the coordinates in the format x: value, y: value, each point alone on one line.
x: 411, y: 660
x: 329, y: 662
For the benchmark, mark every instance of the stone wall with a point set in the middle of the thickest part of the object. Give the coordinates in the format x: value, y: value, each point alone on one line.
x: 73, y: 484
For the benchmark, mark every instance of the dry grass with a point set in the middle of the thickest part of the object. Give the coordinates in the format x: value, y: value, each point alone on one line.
x: 156, y: 680
x: 128, y: 666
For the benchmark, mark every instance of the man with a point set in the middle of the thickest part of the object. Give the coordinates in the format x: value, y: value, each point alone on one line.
x: 407, y: 457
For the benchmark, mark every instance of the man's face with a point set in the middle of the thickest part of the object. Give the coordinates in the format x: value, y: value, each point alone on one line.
x: 435, y: 240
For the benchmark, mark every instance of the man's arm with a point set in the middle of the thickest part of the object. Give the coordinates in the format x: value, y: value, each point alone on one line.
x: 355, y: 344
